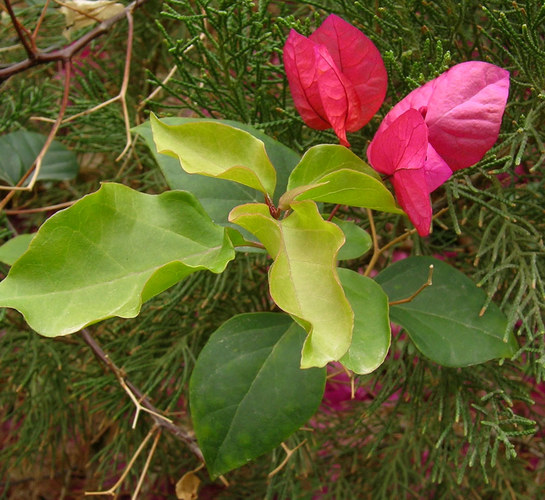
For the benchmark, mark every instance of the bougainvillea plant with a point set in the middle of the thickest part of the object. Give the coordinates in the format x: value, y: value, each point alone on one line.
x: 262, y: 374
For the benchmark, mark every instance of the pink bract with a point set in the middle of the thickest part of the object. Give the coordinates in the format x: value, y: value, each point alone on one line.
x: 336, y: 77
x: 461, y: 110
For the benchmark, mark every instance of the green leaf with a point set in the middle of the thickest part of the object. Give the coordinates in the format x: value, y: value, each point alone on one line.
x: 217, y: 150
x: 358, y: 241
x: 371, y: 335
x: 108, y: 253
x: 247, y: 393
x: 333, y: 174
x: 14, y: 248
x: 242, y: 244
x: 303, y: 280
x: 19, y: 150
x: 219, y: 196
x: 444, y: 320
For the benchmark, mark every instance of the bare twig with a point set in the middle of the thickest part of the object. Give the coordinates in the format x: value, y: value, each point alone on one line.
x: 122, y: 96
x: 111, y: 491
x: 374, y: 238
x: 67, y: 52
x: 377, y: 252
x: 146, y: 466
x: 428, y: 283
x: 333, y: 212
x: 159, y: 87
x: 35, y: 168
x: 143, y: 401
x: 22, y: 32
x: 289, y: 453
x: 39, y: 23
x: 49, y: 208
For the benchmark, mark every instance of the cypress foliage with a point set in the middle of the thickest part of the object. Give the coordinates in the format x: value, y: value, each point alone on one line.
x: 416, y: 430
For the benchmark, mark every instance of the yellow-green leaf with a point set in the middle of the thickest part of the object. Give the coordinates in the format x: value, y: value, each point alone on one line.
x: 334, y: 174
x: 217, y: 150
x: 303, y: 278
x: 107, y: 254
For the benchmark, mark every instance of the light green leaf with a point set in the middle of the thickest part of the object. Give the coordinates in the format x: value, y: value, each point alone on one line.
x: 444, y: 320
x: 108, y: 253
x: 217, y: 150
x: 14, y: 248
x: 371, y: 335
x: 358, y: 241
x: 247, y: 393
x: 219, y: 196
x: 333, y: 174
x: 19, y: 150
x: 303, y: 279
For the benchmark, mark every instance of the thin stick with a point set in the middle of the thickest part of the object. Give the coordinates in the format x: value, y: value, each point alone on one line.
x: 37, y: 165
x: 156, y: 415
x: 412, y: 297
x: 21, y: 31
x: 39, y: 23
x: 58, y: 206
x: 146, y: 466
x: 289, y: 453
x: 376, y: 250
x: 333, y: 212
x: 118, y: 483
x: 159, y: 87
x: 124, y: 85
x: 395, y: 241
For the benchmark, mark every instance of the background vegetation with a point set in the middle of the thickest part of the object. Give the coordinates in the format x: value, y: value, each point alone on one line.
x: 415, y: 429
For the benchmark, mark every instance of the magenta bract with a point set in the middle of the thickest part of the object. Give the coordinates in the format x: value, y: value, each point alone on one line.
x: 336, y: 76
x: 461, y: 111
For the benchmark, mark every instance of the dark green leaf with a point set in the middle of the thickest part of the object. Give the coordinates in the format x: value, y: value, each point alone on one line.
x: 247, y: 392
x: 19, y: 150
x: 444, y: 320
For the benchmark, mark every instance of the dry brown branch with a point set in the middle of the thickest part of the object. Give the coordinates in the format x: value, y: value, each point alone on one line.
x: 122, y: 96
x: 146, y: 467
x: 38, y: 210
x: 35, y: 168
x: 37, y: 57
x: 22, y: 33
x: 143, y: 401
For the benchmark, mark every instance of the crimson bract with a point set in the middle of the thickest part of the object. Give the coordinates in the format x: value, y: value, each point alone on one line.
x: 336, y: 76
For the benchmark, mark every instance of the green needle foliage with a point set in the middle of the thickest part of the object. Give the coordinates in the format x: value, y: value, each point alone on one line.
x: 415, y: 430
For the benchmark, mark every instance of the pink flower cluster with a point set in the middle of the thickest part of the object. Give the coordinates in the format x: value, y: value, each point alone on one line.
x: 338, y: 80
